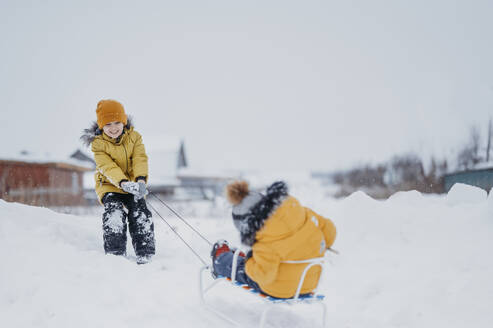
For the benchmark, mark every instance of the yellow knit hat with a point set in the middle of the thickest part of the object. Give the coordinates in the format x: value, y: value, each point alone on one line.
x: 110, y: 111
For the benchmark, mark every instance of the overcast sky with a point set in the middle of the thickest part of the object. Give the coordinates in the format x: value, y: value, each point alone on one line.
x: 251, y: 84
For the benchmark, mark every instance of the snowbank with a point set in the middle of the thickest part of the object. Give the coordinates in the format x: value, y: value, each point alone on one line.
x: 412, y: 261
x: 409, y: 261
x: 462, y: 193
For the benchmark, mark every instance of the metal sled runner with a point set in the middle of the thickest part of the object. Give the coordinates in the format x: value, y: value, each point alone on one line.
x: 270, y: 302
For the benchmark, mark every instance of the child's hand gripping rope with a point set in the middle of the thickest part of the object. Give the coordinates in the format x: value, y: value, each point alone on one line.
x: 138, y: 189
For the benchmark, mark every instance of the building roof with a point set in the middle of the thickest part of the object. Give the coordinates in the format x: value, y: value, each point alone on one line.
x: 166, y: 156
x: 80, y: 155
x: 46, y: 159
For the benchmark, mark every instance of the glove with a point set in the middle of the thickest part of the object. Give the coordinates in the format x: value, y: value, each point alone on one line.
x: 138, y: 189
x: 142, y: 190
x: 131, y: 187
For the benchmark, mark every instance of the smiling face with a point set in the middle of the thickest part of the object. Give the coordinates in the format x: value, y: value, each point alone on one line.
x: 113, y: 129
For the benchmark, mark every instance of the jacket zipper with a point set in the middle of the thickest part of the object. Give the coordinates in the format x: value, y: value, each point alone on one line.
x: 126, y: 156
x: 126, y: 159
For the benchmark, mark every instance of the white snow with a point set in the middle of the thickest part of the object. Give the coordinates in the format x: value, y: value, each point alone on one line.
x: 409, y: 261
x: 463, y: 193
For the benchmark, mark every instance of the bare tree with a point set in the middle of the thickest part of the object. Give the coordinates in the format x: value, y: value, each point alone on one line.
x: 488, y: 142
x: 469, y: 156
x: 406, y: 172
x: 403, y: 172
x: 433, y: 180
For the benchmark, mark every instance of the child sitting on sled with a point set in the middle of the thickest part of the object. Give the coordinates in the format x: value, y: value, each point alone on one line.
x: 277, y: 228
x: 121, y: 176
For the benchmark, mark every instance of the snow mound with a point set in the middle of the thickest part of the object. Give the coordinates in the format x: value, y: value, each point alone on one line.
x: 411, y: 261
x: 462, y: 194
x: 406, y: 196
x: 360, y: 196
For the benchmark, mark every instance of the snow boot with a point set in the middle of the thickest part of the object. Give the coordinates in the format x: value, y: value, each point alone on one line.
x: 219, y: 247
x: 144, y: 259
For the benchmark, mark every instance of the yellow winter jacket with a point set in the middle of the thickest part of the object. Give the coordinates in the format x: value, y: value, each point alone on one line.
x: 117, y: 160
x: 292, y: 232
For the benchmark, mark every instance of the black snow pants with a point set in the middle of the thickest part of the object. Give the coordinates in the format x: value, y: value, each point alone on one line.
x: 118, y: 208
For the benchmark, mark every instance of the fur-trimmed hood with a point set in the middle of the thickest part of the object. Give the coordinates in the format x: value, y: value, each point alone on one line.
x: 251, y: 222
x: 93, y: 131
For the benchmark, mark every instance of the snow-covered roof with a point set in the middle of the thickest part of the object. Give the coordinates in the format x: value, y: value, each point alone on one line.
x: 164, y: 154
x: 43, y: 158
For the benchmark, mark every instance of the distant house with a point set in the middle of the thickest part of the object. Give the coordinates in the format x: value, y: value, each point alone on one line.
x: 42, y: 182
x: 482, y: 178
x: 166, y: 157
x: 203, y: 185
x: 79, y: 155
x: 170, y: 176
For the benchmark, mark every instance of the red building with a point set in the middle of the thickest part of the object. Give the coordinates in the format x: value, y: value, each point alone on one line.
x: 42, y: 183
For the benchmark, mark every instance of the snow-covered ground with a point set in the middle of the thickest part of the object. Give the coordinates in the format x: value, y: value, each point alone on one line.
x: 409, y: 261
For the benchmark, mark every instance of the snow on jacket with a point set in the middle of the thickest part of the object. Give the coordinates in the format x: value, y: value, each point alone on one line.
x: 117, y: 160
x: 290, y: 233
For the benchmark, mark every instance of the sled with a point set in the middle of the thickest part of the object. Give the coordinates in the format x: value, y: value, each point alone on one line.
x: 270, y: 302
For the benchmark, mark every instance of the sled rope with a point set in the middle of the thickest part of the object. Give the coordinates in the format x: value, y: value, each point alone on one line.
x: 181, y: 218
x: 181, y: 238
